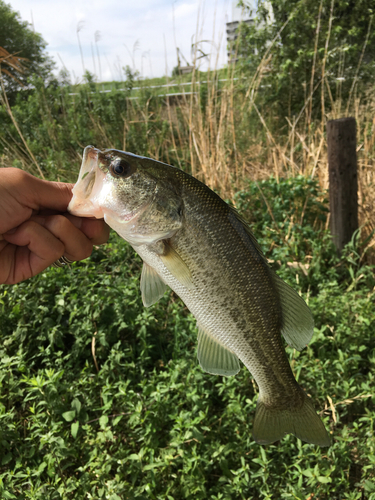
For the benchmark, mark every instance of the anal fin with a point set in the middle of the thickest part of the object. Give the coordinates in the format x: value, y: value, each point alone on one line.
x: 213, y: 357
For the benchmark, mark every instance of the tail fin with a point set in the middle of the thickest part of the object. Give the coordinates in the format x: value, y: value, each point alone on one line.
x: 271, y: 424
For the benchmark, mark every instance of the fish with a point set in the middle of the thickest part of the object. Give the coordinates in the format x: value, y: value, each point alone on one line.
x: 193, y: 242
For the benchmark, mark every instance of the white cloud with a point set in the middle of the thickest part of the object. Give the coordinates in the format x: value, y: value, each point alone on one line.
x: 186, y: 9
x: 120, y: 23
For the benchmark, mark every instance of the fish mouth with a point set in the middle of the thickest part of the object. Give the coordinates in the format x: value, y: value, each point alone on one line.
x: 92, y: 187
x: 84, y: 202
x: 90, y: 153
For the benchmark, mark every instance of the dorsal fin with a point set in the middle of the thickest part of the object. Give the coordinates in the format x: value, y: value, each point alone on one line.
x: 297, y: 321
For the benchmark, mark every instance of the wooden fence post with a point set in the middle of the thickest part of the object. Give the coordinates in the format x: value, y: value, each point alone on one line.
x: 343, y: 183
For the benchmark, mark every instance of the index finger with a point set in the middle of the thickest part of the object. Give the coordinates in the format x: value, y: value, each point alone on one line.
x: 51, y: 195
x: 36, y: 193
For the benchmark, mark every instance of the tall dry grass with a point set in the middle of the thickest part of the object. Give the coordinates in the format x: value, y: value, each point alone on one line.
x: 215, y: 129
x: 212, y: 130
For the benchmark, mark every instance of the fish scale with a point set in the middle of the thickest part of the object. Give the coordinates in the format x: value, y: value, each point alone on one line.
x: 195, y: 243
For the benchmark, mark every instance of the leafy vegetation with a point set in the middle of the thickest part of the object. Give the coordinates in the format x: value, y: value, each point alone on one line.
x: 306, y: 47
x: 101, y: 398
x: 19, y: 39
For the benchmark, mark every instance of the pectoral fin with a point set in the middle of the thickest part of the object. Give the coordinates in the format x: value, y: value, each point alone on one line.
x: 214, y: 357
x: 152, y: 286
x: 176, y: 266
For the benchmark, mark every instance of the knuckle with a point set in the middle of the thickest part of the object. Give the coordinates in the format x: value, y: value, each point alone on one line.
x: 29, y: 227
x: 17, y: 173
x: 103, y: 234
x: 60, y: 221
x: 19, y: 176
x: 80, y: 249
x: 58, y: 250
x: 85, y: 250
x: 15, y: 177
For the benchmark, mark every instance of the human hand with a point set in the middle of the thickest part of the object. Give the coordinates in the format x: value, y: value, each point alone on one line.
x: 35, y: 229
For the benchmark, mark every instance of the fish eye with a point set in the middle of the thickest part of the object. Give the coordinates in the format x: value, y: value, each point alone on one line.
x: 121, y: 168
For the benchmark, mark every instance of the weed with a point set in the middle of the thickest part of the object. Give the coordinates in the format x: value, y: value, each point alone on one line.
x: 130, y: 414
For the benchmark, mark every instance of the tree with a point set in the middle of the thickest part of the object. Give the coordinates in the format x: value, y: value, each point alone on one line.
x: 323, y: 52
x: 18, y: 39
x: 10, y: 62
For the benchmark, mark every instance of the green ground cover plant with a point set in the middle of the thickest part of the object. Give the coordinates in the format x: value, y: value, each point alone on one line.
x: 102, y: 398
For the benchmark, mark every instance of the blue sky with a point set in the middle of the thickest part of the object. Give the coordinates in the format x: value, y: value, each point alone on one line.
x: 139, y: 33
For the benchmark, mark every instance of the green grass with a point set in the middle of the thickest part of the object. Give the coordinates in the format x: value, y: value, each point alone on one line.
x: 150, y: 423
x: 158, y: 86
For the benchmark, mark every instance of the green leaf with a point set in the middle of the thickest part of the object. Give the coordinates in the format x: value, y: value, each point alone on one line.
x: 76, y: 404
x: 369, y: 486
x: 6, y: 459
x: 41, y: 467
x: 74, y: 429
x: 8, y: 495
x: 69, y: 415
x: 308, y: 473
x: 116, y: 420
x: 153, y: 466
x: 324, y: 479
x: 103, y: 421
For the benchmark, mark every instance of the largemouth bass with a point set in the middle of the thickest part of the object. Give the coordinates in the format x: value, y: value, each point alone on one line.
x: 195, y: 243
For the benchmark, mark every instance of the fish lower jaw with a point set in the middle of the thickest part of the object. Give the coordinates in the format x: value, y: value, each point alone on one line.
x: 85, y: 209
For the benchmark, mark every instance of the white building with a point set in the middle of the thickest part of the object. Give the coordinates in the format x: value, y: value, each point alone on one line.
x: 239, y: 15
